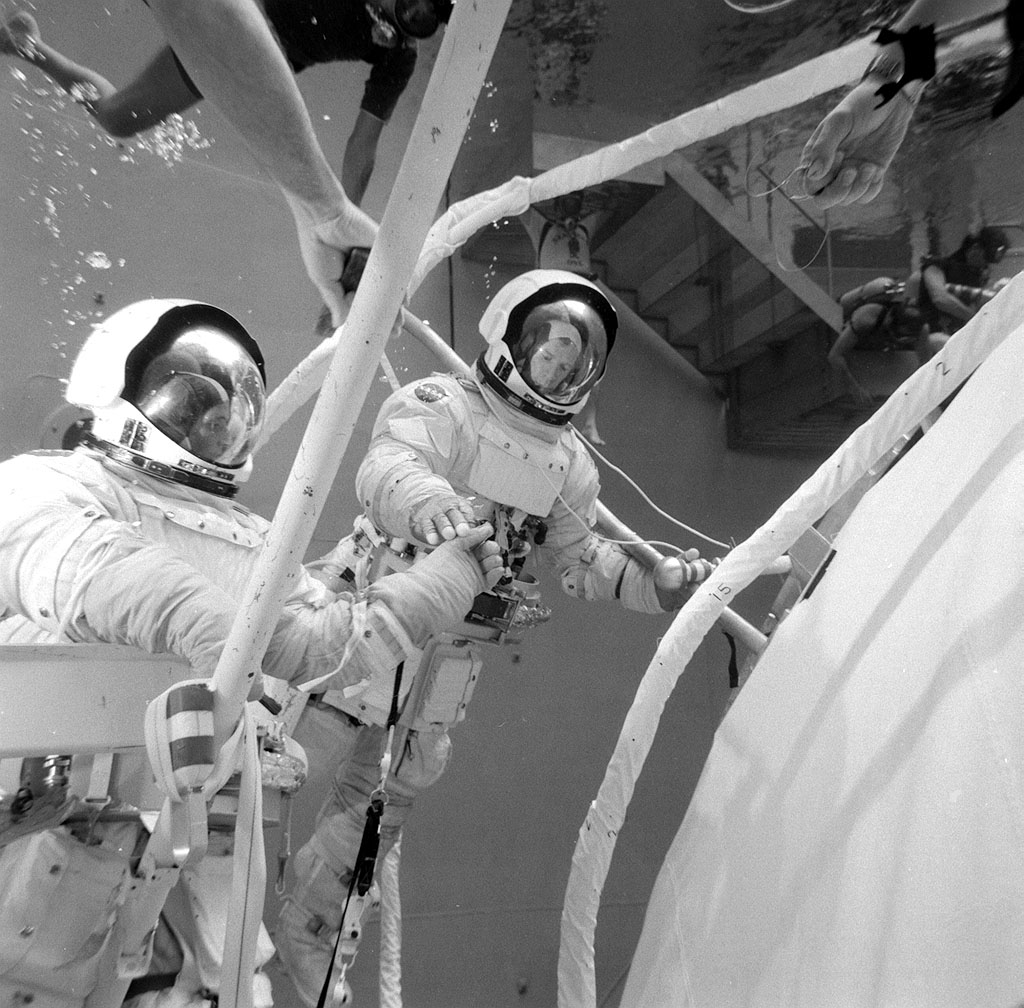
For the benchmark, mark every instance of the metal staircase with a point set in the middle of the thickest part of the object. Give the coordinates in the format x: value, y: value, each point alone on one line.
x: 707, y: 269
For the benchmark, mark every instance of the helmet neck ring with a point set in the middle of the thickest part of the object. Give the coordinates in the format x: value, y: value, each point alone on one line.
x: 517, y: 402
x: 160, y: 470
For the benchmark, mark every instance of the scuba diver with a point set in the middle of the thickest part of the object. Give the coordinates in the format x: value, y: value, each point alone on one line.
x: 383, y: 34
x: 243, y: 56
x: 952, y: 287
x: 920, y: 314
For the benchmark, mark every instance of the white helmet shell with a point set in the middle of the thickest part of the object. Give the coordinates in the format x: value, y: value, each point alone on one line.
x: 176, y: 389
x: 549, y: 333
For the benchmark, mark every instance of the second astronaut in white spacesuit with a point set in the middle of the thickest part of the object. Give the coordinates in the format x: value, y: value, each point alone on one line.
x: 446, y: 453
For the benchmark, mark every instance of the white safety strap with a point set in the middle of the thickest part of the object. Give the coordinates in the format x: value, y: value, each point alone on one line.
x: 359, y: 620
x: 99, y: 777
x: 158, y: 747
x: 248, y: 878
x: 180, y: 777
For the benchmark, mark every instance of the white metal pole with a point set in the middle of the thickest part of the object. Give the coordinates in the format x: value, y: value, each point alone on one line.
x: 458, y: 74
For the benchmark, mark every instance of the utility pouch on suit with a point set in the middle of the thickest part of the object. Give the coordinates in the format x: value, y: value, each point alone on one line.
x: 444, y: 685
x: 58, y: 901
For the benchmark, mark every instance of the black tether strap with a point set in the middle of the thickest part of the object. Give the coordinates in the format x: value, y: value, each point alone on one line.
x: 1013, y: 85
x: 366, y: 859
x: 918, y: 45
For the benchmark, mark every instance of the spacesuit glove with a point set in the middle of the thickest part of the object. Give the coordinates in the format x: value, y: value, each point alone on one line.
x: 675, y: 578
x: 442, y: 518
x: 438, y: 590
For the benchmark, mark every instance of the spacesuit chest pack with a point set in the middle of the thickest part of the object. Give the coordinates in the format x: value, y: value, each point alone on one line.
x: 518, y: 470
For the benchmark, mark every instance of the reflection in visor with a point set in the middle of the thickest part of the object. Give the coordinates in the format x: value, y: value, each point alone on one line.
x: 416, y: 18
x: 221, y: 434
x: 552, y: 365
x: 561, y: 351
x: 214, y: 408
x: 174, y: 404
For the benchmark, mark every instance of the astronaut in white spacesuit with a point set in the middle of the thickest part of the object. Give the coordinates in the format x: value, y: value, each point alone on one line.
x: 447, y: 452
x: 134, y: 538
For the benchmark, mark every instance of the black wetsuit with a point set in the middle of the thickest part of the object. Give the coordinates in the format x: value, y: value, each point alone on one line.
x: 956, y: 271
x: 329, y: 31
x: 897, y: 327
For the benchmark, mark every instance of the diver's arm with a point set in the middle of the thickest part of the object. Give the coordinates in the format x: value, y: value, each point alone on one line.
x: 845, y: 342
x: 943, y: 13
x: 935, y: 281
x: 230, y: 52
x: 228, y: 48
x: 361, y: 155
x: 848, y: 154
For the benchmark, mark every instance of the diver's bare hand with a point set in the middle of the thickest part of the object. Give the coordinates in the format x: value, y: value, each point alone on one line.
x: 325, y: 245
x: 847, y: 156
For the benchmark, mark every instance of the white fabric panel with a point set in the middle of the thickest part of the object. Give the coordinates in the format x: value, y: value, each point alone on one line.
x: 856, y: 836
x: 915, y: 399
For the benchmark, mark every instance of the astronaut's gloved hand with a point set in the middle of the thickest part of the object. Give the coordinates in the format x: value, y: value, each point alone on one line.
x: 438, y: 590
x: 676, y: 577
x: 441, y: 519
x: 488, y: 555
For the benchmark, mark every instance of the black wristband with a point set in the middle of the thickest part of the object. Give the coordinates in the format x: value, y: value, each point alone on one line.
x: 918, y: 47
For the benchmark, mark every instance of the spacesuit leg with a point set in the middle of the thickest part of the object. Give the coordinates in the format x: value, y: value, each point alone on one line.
x: 58, y: 900
x: 200, y: 919
x: 313, y: 909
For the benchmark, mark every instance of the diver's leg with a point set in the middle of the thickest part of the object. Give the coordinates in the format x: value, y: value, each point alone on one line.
x: 159, y: 90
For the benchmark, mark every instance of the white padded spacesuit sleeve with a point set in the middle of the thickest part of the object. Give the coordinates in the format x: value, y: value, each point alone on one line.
x: 435, y: 593
x: 394, y: 485
x: 180, y: 612
x: 605, y: 572
x: 589, y: 567
x: 118, y: 597
x: 85, y: 577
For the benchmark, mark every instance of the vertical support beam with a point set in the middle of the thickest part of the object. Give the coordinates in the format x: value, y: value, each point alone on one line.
x: 462, y: 62
x: 437, y: 135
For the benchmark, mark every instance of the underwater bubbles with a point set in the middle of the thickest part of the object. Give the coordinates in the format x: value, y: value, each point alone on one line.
x: 70, y: 151
x: 170, y: 141
x: 98, y: 260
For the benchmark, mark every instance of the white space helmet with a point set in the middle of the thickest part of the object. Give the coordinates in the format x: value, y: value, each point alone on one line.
x: 549, y: 333
x: 176, y: 389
